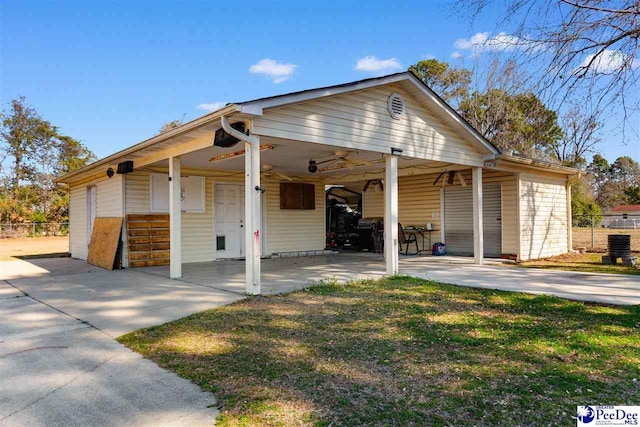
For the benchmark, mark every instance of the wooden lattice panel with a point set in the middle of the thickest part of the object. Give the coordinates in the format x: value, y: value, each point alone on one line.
x: 148, y: 240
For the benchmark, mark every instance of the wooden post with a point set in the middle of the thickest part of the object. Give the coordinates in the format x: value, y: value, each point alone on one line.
x: 175, y: 218
x: 252, y: 214
x: 391, y: 214
x: 478, y: 244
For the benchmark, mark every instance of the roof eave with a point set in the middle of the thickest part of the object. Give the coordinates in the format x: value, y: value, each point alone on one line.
x: 194, y: 124
x: 257, y: 106
x: 539, y: 164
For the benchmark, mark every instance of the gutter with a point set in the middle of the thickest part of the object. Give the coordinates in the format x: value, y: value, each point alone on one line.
x: 236, y: 133
x: 194, y: 124
x: 539, y: 164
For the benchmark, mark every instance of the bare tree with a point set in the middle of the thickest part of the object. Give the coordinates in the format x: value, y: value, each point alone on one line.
x: 580, y: 136
x: 588, y: 46
x: 172, y: 124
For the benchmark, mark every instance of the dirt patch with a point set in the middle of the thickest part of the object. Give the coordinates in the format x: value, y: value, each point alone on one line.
x: 36, y: 246
x: 585, y: 262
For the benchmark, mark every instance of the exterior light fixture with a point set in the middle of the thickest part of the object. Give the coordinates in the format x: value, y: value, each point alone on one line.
x: 313, y: 167
x: 110, y: 172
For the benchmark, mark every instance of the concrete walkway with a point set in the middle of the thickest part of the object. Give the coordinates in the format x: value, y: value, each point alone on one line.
x: 287, y: 274
x: 59, y: 363
x: 619, y: 289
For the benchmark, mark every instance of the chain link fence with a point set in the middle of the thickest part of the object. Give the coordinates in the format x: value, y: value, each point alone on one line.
x: 33, y: 229
x: 591, y: 231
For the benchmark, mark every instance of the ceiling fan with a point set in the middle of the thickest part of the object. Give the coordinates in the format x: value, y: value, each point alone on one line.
x: 341, y: 161
x: 268, y: 172
x: 377, y: 185
x: 451, y: 178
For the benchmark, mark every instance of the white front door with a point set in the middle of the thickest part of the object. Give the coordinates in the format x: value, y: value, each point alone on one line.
x: 229, y: 220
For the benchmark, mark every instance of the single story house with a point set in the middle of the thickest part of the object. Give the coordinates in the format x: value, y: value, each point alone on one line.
x: 623, y: 216
x: 248, y: 180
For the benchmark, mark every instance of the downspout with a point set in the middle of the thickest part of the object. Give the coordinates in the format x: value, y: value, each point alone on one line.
x: 236, y: 133
x: 252, y: 192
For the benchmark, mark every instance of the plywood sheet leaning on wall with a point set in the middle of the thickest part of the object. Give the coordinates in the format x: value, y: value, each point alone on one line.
x: 148, y: 240
x: 104, y: 248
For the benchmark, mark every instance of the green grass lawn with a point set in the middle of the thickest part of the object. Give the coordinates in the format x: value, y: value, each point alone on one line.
x: 403, y: 351
x: 585, y: 262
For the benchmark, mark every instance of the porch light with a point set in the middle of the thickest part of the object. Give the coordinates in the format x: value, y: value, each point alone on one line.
x: 313, y: 167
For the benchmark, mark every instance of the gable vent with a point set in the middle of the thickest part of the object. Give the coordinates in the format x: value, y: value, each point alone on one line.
x: 395, y: 105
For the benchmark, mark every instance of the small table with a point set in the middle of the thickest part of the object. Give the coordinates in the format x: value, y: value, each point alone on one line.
x: 425, y: 234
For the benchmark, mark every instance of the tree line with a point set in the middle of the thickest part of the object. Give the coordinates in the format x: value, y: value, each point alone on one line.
x: 33, y: 152
x: 515, y: 120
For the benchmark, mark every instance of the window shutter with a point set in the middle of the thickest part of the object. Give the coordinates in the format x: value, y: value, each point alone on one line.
x: 294, y: 195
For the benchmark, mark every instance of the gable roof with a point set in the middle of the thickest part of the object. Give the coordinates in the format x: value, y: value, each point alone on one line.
x: 256, y: 107
x: 626, y: 208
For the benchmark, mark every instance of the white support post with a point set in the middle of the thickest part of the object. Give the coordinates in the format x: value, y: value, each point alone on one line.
x: 391, y: 214
x: 175, y: 219
x: 478, y: 244
x: 569, y: 219
x: 256, y: 207
x: 252, y: 214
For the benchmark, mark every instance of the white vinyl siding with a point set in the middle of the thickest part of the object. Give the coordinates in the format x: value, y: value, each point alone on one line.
x: 284, y: 230
x: 543, y: 216
x: 361, y: 120
x: 197, y: 228
x: 109, y: 197
x: 418, y: 201
x: 108, y: 204
x: 291, y: 229
x: 78, y: 221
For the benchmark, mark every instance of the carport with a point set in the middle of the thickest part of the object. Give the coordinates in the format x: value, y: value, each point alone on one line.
x: 247, y: 181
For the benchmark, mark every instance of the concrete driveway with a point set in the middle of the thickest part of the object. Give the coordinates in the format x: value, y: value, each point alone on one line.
x: 59, y: 363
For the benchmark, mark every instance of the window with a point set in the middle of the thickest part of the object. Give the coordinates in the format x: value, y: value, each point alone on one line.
x: 192, y: 193
x: 294, y: 195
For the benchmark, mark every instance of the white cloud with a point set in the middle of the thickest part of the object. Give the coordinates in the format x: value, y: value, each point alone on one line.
x: 608, y: 62
x: 501, y: 42
x: 278, y: 72
x: 456, y: 55
x: 371, y: 64
x: 212, y: 106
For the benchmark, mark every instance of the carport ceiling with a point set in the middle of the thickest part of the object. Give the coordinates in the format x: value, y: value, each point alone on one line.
x: 289, y: 157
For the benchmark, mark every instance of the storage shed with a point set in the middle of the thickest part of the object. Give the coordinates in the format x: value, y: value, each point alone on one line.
x: 248, y: 181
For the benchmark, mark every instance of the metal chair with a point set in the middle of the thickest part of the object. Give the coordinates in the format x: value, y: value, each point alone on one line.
x: 404, y: 240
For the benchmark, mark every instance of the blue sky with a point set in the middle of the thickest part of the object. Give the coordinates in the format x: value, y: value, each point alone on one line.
x: 110, y: 73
